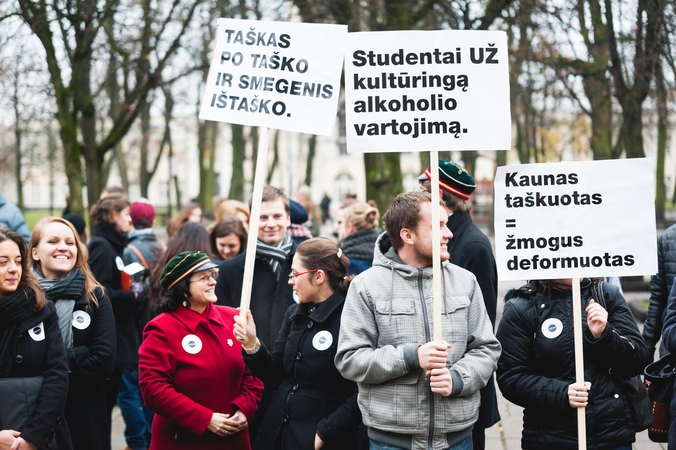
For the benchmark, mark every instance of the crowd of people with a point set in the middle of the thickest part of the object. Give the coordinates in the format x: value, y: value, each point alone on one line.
x: 336, y: 348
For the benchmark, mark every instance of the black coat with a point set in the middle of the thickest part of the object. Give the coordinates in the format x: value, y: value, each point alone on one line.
x: 471, y: 250
x: 270, y: 296
x: 538, y: 364
x: 312, y: 395
x: 660, y: 287
x: 105, y: 248
x: 91, y: 361
x: 40, y: 351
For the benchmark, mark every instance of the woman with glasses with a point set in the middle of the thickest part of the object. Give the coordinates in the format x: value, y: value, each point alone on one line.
x: 314, y: 406
x: 191, y: 371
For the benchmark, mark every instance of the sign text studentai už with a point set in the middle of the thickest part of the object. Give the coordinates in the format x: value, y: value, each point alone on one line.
x: 281, y: 75
x: 427, y: 90
x: 575, y: 220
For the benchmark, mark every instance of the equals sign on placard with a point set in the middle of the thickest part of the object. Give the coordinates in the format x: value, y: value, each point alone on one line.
x: 510, y: 223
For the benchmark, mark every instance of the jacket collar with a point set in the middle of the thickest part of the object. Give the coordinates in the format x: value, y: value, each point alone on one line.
x: 323, y: 310
x: 192, y: 319
x: 458, y: 222
x: 109, y: 233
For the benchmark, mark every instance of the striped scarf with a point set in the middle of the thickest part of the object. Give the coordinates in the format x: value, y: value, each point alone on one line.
x: 275, y: 256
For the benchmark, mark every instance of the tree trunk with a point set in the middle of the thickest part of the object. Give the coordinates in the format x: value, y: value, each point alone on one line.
x: 238, y: 157
x: 383, y: 178
x: 207, y: 136
x: 312, y: 150
x: 275, y: 158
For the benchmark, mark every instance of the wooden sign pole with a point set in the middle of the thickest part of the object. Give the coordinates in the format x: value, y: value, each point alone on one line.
x: 436, y: 250
x: 579, y: 361
x: 256, y: 196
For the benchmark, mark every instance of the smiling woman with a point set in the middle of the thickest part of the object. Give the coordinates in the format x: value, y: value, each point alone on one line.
x: 31, y: 349
x: 59, y: 261
x: 191, y: 370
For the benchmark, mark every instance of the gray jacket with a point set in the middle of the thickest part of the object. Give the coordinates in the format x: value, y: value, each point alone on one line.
x: 387, y: 316
x: 12, y: 218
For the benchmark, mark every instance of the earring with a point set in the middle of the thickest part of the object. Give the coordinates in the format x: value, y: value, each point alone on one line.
x: 186, y: 303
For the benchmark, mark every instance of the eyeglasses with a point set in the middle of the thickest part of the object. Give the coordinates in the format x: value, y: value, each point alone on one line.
x: 293, y: 276
x: 205, y: 279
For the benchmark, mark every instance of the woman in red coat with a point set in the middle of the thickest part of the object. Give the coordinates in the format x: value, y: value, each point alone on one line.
x: 191, y: 370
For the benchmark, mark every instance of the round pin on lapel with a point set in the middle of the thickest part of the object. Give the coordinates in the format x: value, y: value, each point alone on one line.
x: 192, y: 344
x: 322, y: 340
x: 81, y: 320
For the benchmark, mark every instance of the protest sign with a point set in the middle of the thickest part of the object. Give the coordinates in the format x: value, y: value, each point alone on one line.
x: 279, y: 75
x: 575, y: 219
x: 427, y: 90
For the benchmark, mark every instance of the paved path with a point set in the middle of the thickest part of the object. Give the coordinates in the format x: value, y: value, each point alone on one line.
x: 505, y: 435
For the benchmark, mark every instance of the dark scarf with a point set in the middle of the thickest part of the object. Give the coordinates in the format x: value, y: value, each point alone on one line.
x: 108, y: 232
x: 14, y: 309
x: 69, y: 287
x: 64, y: 293
x: 360, y: 244
x: 275, y: 256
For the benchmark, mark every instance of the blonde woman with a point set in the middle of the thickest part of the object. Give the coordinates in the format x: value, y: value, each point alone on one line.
x: 59, y: 261
x: 359, y: 225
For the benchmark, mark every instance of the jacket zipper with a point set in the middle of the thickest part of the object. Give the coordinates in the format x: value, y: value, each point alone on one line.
x: 421, y: 294
x: 625, y: 338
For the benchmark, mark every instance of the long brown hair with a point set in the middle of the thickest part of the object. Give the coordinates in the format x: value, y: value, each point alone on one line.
x: 181, y: 218
x: 80, y: 262
x: 28, y: 280
x: 322, y: 253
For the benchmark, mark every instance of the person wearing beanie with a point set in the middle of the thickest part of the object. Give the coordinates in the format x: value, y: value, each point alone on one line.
x: 79, y: 224
x: 298, y: 231
x: 143, y: 248
x: 470, y: 249
x: 191, y: 371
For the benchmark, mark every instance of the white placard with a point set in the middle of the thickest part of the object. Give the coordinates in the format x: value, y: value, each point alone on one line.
x: 427, y: 90
x: 575, y: 219
x: 279, y: 75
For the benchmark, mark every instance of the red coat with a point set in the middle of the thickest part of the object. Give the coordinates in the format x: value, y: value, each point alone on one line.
x: 190, y: 367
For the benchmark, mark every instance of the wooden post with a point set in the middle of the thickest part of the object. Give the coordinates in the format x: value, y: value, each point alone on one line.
x: 579, y: 362
x: 259, y: 180
x: 436, y: 250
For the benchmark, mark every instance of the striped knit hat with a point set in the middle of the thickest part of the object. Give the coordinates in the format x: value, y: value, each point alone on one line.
x: 182, y: 266
x: 454, y: 179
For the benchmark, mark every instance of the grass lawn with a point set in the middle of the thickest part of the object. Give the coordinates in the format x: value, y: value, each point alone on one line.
x: 32, y: 216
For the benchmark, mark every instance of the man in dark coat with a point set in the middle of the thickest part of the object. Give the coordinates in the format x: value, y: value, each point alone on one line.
x: 271, y: 294
x: 471, y: 250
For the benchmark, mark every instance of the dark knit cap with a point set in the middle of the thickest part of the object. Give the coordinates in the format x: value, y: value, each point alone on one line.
x: 454, y: 179
x: 298, y: 213
x: 183, y: 265
x: 77, y: 221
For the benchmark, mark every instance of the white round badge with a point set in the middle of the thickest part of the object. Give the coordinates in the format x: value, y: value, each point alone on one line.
x: 37, y: 333
x: 81, y: 320
x: 119, y: 263
x: 552, y: 328
x: 192, y: 344
x: 322, y: 340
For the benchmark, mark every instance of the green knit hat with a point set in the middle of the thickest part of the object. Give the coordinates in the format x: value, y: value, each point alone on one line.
x: 453, y: 179
x: 183, y: 265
